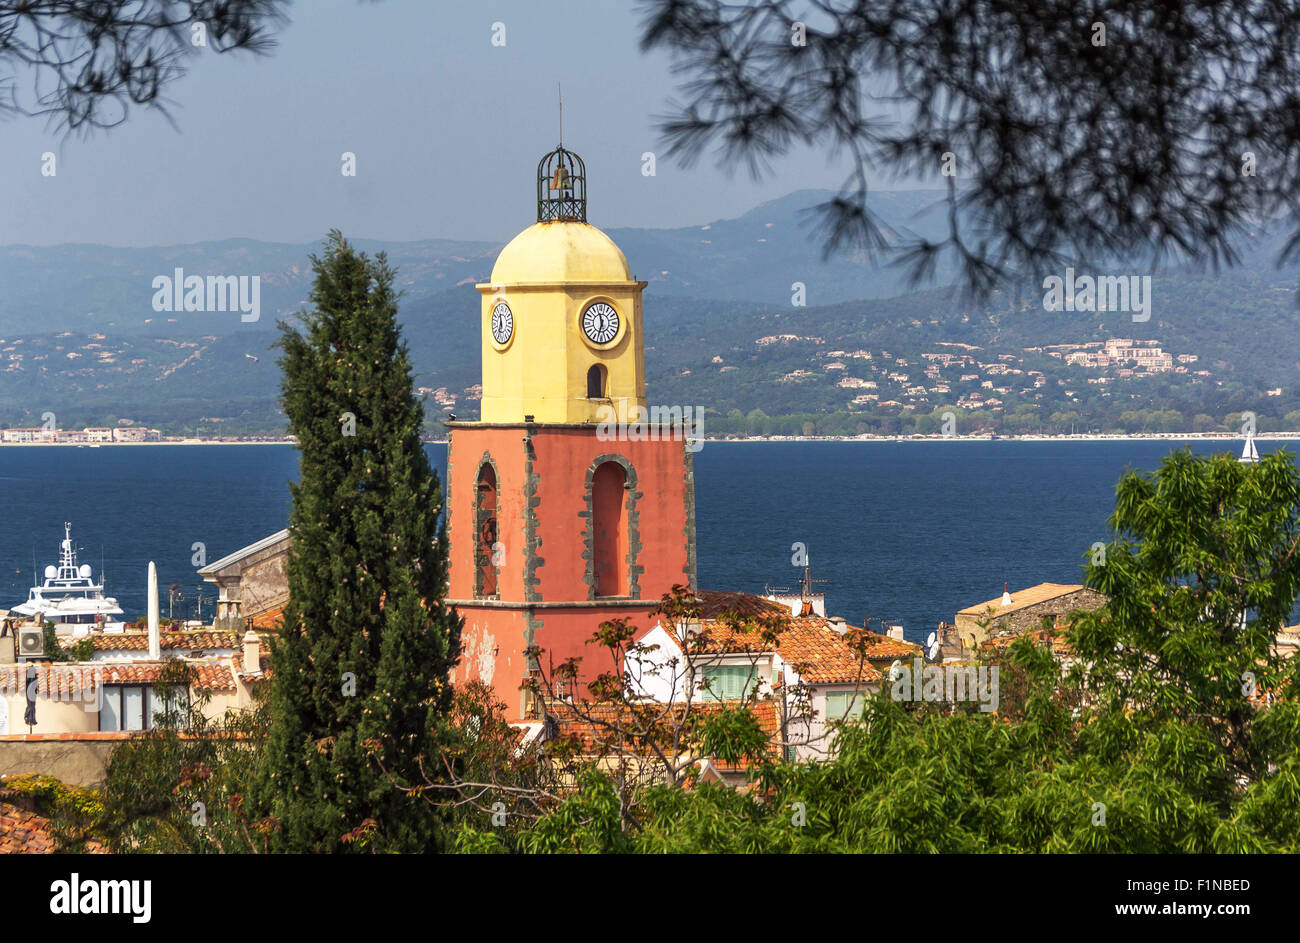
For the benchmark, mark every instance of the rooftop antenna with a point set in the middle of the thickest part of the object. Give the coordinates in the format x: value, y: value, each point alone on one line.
x: 806, y: 585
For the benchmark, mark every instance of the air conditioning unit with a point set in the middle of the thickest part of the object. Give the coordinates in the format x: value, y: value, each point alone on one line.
x: 31, y: 641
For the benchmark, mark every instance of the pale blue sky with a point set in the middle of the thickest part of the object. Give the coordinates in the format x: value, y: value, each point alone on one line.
x: 446, y: 127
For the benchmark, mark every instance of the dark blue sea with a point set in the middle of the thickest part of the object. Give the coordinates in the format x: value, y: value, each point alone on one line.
x: 908, y: 532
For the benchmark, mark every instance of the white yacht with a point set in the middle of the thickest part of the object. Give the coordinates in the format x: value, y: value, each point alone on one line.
x: 1249, y: 454
x: 70, y: 597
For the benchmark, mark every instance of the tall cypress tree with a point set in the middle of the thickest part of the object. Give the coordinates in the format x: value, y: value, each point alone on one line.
x: 361, y: 664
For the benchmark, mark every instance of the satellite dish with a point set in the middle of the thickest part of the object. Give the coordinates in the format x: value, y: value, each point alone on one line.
x: 51, y: 572
x: 84, y: 571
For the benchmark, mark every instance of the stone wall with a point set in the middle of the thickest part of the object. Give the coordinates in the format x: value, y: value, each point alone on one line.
x: 264, y: 585
x: 1018, y: 621
x: 252, y: 584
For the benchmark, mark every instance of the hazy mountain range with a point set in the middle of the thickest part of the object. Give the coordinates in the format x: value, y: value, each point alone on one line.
x: 78, y: 333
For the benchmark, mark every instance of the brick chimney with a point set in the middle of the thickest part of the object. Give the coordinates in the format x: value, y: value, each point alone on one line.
x: 896, y: 633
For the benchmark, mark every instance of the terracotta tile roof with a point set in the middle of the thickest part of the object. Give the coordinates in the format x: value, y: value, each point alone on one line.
x: 1021, y: 599
x: 882, y: 648
x: 24, y: 832
x: 62, y: 683
x: 68, y: 682
x: 267, y: 620
x: 822, y: 655
x: 716, y: 637
x: 1000, y: 643
x: 207, y: 676
x: 814, y: 645
x: 643, y: 723
x: 718, y: 630
x: 818, y: 647
x: 715, y: 602
x: 197, y: 640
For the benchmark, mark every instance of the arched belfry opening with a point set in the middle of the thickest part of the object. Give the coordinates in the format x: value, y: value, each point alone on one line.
x: 609, y: 529
x: 597, y: 387
x: 485, y: 532
x: 561, y: 187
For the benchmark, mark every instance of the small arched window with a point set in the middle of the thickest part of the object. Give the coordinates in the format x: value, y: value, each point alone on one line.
x: 485, y: 532
x: 596, y: 382
x: 609, y: 525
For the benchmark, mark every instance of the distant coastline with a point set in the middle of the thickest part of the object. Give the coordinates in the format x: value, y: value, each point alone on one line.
x: 116, y: 445
x: 1137, y: 437
x: 1150, y: 437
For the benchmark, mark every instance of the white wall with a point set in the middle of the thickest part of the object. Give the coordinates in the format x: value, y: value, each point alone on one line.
x: 653, y: 673
x: 662, y: 675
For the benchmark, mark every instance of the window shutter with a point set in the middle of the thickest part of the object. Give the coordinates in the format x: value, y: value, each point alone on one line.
x: 729, y: 682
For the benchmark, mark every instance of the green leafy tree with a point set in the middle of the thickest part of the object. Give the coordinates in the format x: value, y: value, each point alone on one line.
x: 180, y: 787
x: 1206, y: 423
x: 1179, y: 731
x: 362, y: 660
x: 1204, y: 574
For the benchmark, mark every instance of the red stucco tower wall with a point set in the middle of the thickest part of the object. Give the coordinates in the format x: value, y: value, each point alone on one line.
x: 534, y: 509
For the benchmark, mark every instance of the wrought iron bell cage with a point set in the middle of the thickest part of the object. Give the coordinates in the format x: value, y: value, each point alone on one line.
x: 561, y: 187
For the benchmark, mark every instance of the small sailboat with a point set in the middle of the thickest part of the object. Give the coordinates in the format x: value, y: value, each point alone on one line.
x: 1249, y: 454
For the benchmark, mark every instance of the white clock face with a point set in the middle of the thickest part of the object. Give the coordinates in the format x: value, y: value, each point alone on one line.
x: 503, y: 323
x: 600, y: 323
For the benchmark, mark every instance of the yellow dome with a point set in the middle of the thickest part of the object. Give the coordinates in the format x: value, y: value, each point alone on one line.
x: 560, y: 252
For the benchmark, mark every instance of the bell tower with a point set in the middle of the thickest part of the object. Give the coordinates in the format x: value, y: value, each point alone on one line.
x: 558, y: 519
x: 562, y: 333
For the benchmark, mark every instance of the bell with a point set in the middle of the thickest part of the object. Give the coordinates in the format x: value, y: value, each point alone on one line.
x: 560, y: 179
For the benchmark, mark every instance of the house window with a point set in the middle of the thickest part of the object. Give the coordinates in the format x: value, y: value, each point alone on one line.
x: 485, y: 525
x: 729, y: 682
x: 842, y: 704
x: 596, y: 382
x: 137, y: 706
x: 609, y: 526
